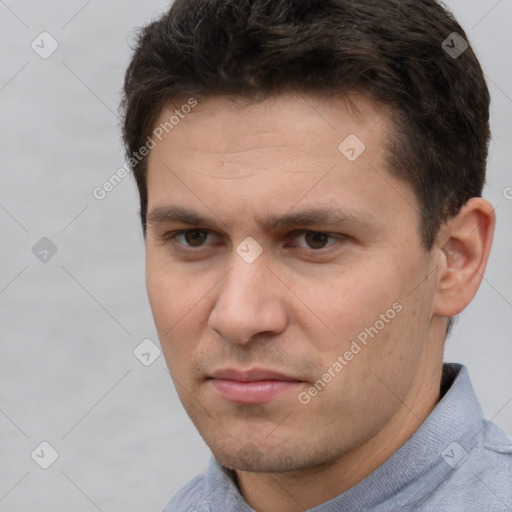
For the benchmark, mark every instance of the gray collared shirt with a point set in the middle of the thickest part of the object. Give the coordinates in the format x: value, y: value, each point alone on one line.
x: 456, y: 461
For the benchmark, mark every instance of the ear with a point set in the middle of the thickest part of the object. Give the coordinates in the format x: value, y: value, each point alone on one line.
x: 463, y: 247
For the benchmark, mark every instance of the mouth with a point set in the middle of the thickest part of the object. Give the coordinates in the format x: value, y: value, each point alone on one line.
x: 254, y: 386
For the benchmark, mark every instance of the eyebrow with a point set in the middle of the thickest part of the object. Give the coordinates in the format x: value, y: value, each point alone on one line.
x: 308, y: 217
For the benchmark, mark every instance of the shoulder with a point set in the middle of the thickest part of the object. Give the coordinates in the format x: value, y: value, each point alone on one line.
x: 191, y: 498
x: 482, y: 477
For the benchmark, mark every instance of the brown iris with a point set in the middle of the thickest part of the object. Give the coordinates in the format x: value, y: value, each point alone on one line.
x: 195, y: 238
x: 316, y: 240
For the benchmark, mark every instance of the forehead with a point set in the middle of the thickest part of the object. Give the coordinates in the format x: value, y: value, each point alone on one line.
x: 230, y: 125
x: 232, y: 155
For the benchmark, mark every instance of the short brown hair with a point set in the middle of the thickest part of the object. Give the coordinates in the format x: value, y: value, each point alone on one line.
x: 391, y: 50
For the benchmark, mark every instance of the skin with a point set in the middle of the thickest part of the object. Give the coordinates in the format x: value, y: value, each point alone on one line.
x: 302, y: 302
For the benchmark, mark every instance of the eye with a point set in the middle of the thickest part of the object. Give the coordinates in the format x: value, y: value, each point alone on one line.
x: 316, y: 240
x: 197, y: 238
x: 191, y: 237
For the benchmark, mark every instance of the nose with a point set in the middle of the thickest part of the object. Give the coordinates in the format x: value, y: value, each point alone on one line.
x: 250, y: 301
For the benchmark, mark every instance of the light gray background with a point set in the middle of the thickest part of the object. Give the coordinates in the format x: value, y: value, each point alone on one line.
x: 69, y: 326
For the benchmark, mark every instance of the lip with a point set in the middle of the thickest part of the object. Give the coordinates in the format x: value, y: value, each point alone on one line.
x: 255, y: 374
x: 253, y: 386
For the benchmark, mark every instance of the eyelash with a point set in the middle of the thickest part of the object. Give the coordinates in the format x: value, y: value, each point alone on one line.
x: 172, y: 236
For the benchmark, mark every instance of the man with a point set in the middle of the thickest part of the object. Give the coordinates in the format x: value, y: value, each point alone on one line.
x: 310, y: 177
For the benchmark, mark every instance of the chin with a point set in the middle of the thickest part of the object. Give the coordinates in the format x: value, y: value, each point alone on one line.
x: 269, y: 459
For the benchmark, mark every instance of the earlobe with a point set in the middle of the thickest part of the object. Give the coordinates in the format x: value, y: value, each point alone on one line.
x: 465, y: 244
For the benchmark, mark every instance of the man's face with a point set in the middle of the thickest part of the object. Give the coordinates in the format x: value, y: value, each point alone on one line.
x: 292, y: 357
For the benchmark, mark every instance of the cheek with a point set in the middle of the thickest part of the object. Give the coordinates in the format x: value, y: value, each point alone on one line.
x: 171, y: 291
x: 383, y: 342
x: 164, y: 293
x: 351, y: 302
x: 371, y: 312
x: 177, y: 304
